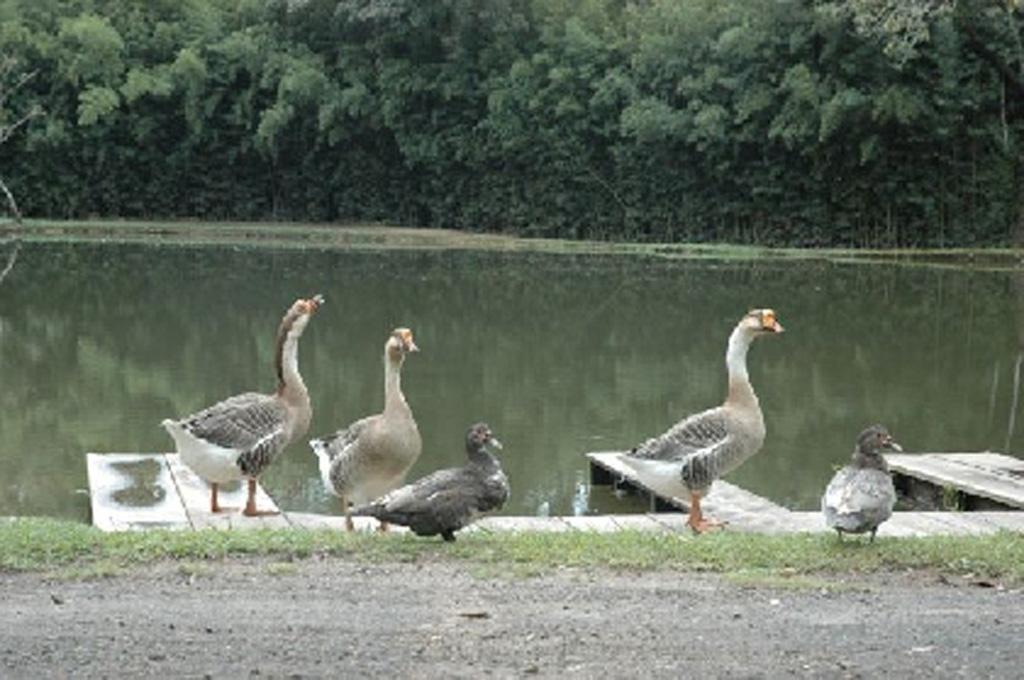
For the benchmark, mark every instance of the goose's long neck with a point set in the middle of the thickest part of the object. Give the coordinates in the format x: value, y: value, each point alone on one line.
x: 740, y: 389
x: 394, y: 400
x: 289, y: 382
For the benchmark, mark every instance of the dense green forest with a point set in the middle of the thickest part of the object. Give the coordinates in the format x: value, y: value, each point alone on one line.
x: 791, y: 121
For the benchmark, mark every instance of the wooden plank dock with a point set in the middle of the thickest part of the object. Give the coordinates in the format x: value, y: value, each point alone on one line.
x: 902, y: 524
x: 748, y: 512
x: 133, y: 491
x: 725, y: 500
x: 972, y: 480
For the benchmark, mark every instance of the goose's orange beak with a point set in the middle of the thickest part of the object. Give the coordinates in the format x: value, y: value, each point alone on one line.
x: 770, y: 322
x: 313, y: 303
x: 407, y: 342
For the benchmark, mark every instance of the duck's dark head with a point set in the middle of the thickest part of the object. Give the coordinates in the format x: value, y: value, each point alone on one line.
x: 479, y: 437
x: 873, y: 441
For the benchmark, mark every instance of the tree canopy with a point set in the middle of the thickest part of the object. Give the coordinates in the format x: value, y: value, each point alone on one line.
x: 870, y: 122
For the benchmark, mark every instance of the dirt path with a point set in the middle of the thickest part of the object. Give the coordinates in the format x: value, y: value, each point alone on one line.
x: 332, y: 617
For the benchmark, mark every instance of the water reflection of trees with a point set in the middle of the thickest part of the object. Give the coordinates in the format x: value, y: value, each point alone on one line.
x: 560, y: 354
x: 8, y: 258
x: 1016, y: 283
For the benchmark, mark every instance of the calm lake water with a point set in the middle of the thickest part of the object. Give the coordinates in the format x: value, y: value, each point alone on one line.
x: 560, y: 354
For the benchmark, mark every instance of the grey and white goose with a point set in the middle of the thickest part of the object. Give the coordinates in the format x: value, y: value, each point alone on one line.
x: 448, y: 500
x: 371, y: 456
x: 707, y: 445
x: 240, y: 437
x: 861, y: 495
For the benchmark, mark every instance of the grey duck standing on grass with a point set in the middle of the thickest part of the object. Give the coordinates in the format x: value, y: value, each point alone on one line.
x: 861, y: 495
x: 240, y: 437
x: 371, y: 456
x: 707, y: 445
x: 448, y: 500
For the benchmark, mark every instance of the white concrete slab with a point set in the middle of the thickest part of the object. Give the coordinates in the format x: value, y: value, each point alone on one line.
x: 133, y: 491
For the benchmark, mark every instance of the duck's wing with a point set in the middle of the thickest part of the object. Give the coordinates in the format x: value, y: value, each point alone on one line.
x: 837, y: 492
x: 705, y: 446
x: 340, y: 443
x: 695, y: 434
x: 241, y: 422
x: 694, y: 452
x: 444, y: 500
x: 494, y: 492
x: 422, y: 494
x: 344, y: 455
x: 858, y: 498
x: 252, y: 424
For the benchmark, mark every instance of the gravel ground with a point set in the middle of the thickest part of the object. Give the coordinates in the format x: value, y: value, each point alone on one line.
x: 336, y: 617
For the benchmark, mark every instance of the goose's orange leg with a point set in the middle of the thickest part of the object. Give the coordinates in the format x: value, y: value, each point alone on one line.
x: 215, y: 505
x: 250, y: 504
x: 349, y: 524
x: 696, y: 519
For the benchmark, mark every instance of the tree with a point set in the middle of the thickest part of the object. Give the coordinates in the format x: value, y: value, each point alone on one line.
x: 991, y: 30
x: 11, y: 81
x: 772, y: 123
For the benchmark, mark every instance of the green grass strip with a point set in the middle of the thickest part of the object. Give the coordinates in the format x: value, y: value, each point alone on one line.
x: 55, y: 545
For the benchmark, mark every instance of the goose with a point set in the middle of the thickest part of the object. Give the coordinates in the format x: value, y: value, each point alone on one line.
x: 707, y: 445
x: 238, y: 438
x: 448, y: 500
x: 861, y: 495
x: 371, y: 456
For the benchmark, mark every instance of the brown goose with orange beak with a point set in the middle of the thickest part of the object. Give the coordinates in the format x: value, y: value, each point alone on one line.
x: 707, y: 445
x: 240, y: 437
x: 371, y: 456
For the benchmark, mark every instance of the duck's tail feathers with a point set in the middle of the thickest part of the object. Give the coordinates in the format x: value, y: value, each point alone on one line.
x: 376, y: 510
x: 323, y: 457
